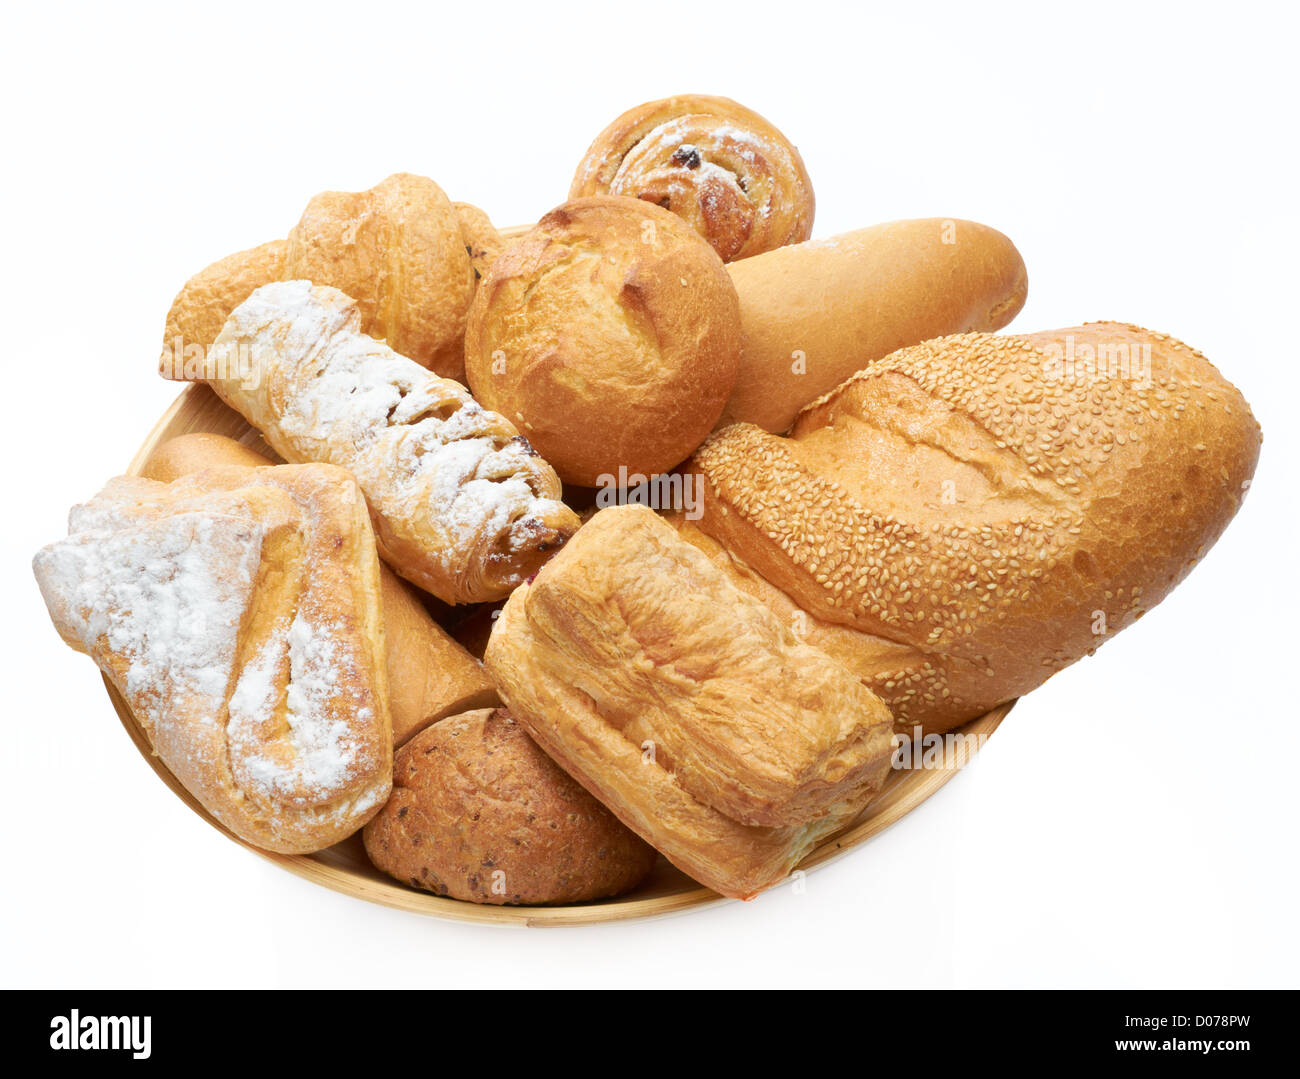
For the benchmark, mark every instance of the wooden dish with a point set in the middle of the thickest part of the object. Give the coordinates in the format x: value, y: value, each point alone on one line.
x: 345, y: 868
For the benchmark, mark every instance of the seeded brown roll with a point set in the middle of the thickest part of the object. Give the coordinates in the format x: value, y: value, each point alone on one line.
x: 479, y: 813
x: 733, y: 176
x: 609, y: 335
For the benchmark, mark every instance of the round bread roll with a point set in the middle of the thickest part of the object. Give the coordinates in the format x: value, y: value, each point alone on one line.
x: 609, y: 335
x: 480, y: 813
x: 733, y: 176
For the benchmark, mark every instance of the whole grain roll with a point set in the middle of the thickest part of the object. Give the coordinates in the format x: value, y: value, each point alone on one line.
x: 480, y: 813
x: 609, y: 336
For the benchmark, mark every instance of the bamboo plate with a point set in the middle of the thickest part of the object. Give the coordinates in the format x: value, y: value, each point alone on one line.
x: 345, y: 868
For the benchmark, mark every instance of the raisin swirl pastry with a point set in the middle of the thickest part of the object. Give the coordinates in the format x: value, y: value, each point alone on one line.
x: 461, y: 504
x: 734, y: 177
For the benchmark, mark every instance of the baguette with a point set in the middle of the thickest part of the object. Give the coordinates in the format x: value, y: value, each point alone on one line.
x: 968, y: 516
x: 814, y: 313
x: 430, y: 676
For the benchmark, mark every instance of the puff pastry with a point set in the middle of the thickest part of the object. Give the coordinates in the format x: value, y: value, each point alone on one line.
x: 686, y: 706
x: 237, y: 612
x: 462, y: 505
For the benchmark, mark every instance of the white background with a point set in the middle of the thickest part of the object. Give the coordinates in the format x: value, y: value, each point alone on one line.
x: 1131, y: 824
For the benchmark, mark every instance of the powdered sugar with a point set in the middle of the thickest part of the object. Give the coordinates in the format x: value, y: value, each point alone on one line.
x: 420, y: 447
x: 164, y: 599
x: 288, y: 733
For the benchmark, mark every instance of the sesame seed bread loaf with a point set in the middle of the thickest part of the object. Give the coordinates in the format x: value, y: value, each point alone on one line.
x: 609, y: 336
x: 480, y: 813
x: 430, y: 676
x: 968, y: 516
x: 685, y: 706
x: 462, y: 505
x: 814, y: 313
x: 237, y: 612
x: 721, y: 167
x: 402, y: 250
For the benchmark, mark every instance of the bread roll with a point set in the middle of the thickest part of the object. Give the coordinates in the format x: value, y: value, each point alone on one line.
x: 237, y: 612
x: 401, y: 250
x: 721, y: 167
x: 814, y: 313
x: 430, y: 676
x: 685, y: 706
x: 608, y: 335
x: 968, y: 516
x: 479, y: 813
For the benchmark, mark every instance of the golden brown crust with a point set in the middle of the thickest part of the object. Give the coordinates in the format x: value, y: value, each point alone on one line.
x: 686, y: 706
x: 482, y: 241
x: 721, y: 167
x: 200, y: 308
x: 237, y: 611
x: 480, y: 813
x: 430, y: 675
x: 814, y: 313
x: 609, y: 335
x: 983, y: 509
x: 398, y: 249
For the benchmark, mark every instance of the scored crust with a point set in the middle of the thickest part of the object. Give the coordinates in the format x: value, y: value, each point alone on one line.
x: 980, y: 521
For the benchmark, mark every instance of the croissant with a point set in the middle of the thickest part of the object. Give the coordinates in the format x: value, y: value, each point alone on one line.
x: 407, y: 255
x: 739, y: 182
x: 462, y: 505
x: 237, y: 611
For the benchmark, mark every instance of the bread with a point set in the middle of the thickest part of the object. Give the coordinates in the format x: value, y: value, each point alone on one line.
x: 237, y: 613
x: 968, y: 516
x: 401, y: 250
x: 609, y: 335
x: 729, y: 173
x: 430, y: 676
x: 814, y: 313
x: 462, y: 505
x: 685, y: 706
x: 479, y: 813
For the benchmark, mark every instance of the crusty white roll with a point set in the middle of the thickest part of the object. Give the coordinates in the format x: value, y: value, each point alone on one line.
x: 609, y: 336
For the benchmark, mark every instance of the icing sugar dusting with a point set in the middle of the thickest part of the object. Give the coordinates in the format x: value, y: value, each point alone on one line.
x: 420, y: 446
x: 310, y: 753
x: 164, y: 598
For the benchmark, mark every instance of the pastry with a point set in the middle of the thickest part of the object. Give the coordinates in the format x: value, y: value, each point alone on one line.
x: 430, y: 676
x: 405, y: 253
x: 814, y: 313
x: 685, y: 706
x: 479, y: 813
x: 237, y: 613
x: 968, y: 516
x: 726, y: 171
x: 462, y: 505
x: 609, y: 336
